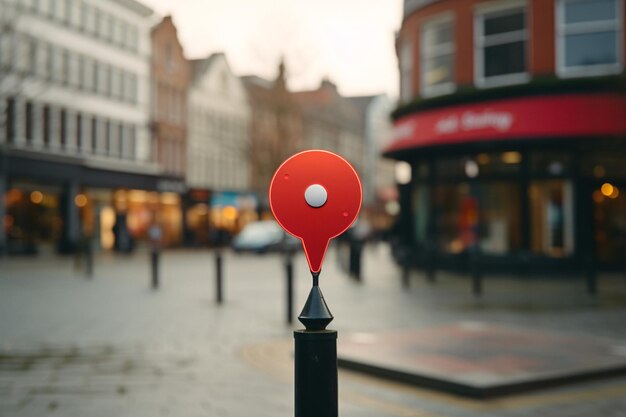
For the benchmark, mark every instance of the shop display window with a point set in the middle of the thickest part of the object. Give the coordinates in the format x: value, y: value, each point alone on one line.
x: 482, y: 164
x: 484, y: 214
x: 610, y: 222
x: 551, y: 163
x: 602, y: 165
x: 552, y: 218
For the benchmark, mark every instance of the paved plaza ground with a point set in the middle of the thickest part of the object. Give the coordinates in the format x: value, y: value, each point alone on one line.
x: 111, y: 346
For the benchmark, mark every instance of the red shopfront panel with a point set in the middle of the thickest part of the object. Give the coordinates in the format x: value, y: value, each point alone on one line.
x: 523, y: 118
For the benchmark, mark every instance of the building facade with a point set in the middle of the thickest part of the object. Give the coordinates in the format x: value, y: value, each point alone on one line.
x: 276, y: 129
x: 74, y: 96
x: 217, y: 146
x: 511, y: 133
x: 375, y: 117
x: 332, y: 122
x: 170, y: 80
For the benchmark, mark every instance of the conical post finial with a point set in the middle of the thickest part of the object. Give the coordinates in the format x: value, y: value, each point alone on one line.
x: 315, y: 315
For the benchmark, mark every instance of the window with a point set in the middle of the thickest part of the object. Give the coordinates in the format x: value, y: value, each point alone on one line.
x: 130, y: 87
x: 437, y: 57
x: 500, y: 46
x: 46, y: 126
x: 29, y: 122
x: 131, y: 141
x: 107, y: 137
x: 32, y: 56
x: 116, y: 84
x: 94, y: 134
x: 63, y: 128
x: 589, y: 37
x: 552, y: 218
x: 41, y: 67
x: 406, y: 71
x: 89, y: 71
x: 79, y: 131
x: 132, y: 38
x: 65, y: 65
x: 60, y: 10
x: 104, y: 76
x: 10, y: 120
x: 120, y: 139
x: 58, y: 72
x: 74, y: 72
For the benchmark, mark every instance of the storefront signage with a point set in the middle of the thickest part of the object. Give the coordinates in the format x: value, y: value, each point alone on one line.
x: 524, y: 118
x: 172, y: 186
x: 469, y: 120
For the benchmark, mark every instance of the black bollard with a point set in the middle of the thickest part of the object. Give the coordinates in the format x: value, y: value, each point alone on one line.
x: 289, y: 276
x: 154, y: 257
x: 315, y: 359
x: 218, y: 277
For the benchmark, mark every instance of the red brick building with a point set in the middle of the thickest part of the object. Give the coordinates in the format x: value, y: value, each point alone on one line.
x: 511, y: 132
x: 276, y: 128
x: 170, y: 84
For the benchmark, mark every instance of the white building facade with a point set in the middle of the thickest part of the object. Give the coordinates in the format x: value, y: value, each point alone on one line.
x: 77, y: 78
x: 218, y: 137
x: 74, y: 93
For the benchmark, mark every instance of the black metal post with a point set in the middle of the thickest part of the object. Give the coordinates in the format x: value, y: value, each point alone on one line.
x: 316, y: 373
x: 154, y: 260
x: 289, y: 276
x: 218, y: 277
x: 316, y: 359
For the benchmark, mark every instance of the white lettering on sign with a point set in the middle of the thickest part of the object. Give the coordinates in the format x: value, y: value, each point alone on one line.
x: 405, y: 130
x: 501, y: 121
x: 469, y: 120
x: 449, y: 124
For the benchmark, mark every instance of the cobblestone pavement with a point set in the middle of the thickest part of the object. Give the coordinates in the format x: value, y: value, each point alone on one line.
x: 111, y: 346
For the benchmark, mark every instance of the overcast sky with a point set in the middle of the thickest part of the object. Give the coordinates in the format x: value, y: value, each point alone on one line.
x: 349, y: 41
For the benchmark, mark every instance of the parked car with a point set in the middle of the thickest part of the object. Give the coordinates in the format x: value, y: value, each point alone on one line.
x: 264, y: 236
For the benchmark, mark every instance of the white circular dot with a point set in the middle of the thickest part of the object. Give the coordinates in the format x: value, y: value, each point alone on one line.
x: 315, y: 195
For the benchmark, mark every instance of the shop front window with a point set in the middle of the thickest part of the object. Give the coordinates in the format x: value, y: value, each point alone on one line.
x: 32, y: 218
x: 484, y: 214
x: 610, y: 222
x: 552, y: 218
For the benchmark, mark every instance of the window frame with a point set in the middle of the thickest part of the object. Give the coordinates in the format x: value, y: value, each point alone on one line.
x: 480, y: 42
x: 561, y: 32
x: 447, y: 87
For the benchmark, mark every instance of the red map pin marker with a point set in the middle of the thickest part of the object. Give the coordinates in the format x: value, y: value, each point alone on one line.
x: 315, y: 195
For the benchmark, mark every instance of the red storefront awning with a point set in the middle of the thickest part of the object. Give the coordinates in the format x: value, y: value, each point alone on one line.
x: 521, y: 118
